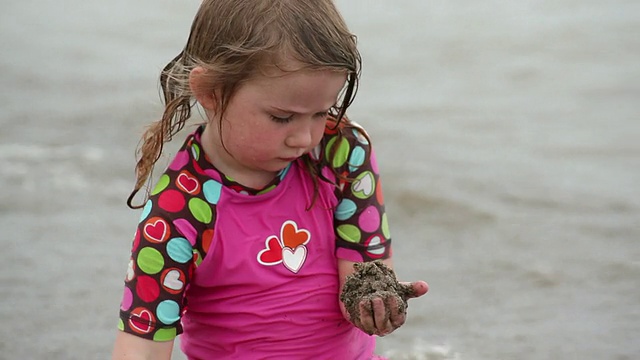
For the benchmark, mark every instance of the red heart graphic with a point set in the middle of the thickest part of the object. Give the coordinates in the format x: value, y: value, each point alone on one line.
x: 141, y: 320
x: 186, y: 182
x: 156, y: 230
x: 292, y: 237
x: 272, y: 254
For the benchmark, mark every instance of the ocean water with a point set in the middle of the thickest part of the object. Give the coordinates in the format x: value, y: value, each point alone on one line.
x: 507, y: 134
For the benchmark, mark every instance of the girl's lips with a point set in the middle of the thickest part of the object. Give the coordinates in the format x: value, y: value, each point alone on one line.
x: 288, y: 159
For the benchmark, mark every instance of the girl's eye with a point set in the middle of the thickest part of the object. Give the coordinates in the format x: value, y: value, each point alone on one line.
x: 282, y: 120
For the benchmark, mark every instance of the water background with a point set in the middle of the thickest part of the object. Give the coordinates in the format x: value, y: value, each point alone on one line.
x: 507, y: 133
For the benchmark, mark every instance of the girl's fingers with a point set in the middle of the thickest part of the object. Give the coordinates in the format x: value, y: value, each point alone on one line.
x: 396, y: 318
x: 381, y: 316
x: 419, y: 288
x: 366, y: 317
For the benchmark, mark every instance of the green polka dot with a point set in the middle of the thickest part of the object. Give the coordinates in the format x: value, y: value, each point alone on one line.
x: 385, y: 227
x: 341, y: 154
x: 364, y: 186
x: 195, y: 151
x: 198, y: 257
x: 264, y: 191
x: 349, y: 232
x: 162, y: 184
x: 165, y: 334
x: 150, y: 260
x: 200, y: 210
x: 120, y: 325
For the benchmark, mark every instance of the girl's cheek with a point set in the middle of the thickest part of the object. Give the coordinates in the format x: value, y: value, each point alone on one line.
x: 318, y: 132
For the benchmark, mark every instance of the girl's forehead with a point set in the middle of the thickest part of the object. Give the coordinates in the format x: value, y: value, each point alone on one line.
x: 304, y: 90
x: 295, y: 75
x: 279, y: 66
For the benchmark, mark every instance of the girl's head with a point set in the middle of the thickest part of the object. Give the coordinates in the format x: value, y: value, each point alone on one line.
x: 236, y: 41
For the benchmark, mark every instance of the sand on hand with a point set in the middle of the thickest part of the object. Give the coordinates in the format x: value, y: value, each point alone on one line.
x: 371, y: 280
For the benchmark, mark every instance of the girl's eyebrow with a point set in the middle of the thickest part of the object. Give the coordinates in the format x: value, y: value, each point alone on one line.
x: 298, y: 113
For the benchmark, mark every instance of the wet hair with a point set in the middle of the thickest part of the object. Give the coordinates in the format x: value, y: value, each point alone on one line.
x: 235, y: 41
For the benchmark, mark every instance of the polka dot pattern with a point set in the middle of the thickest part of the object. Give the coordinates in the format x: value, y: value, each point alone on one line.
x: 179, y: 250
x: 150, y: 260
x: 346, y: 209
x: 165, y: 334
x: 171, y: 201
x: 200, y: 210
x: 162, y: 184
x: 168, y: 312
x: 212, y: 190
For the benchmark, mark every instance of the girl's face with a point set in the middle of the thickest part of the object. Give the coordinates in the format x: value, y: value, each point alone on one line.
x: 269, y: 122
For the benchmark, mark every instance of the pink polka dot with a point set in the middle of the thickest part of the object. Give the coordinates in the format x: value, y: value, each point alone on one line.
x: 181, y: 159
x: 127, y: 300
x: 369, y: 219
x: 374, y: 163
x: 187, y: 230
x: 171, y: 200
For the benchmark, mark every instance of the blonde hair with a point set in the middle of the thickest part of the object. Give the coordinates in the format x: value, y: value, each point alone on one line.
x: 233, y: 41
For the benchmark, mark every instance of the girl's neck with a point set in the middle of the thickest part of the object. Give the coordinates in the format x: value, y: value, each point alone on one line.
x: 227, y: 166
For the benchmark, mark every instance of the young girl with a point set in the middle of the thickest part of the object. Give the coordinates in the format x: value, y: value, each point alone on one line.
x: 246, y: 240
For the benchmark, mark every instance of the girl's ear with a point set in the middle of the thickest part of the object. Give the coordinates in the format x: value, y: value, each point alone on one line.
x: 202, y: 89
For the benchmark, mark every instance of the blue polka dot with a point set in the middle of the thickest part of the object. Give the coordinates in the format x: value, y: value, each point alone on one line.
x: 146, y: 210
x: 212, y: 190
x: 345, y: 209
x: 360, y: 137
x: 168, y: 312
x: 179, y: 250
x: 357, y: 158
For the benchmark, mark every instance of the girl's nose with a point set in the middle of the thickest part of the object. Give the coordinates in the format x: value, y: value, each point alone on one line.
x: 301, y: 137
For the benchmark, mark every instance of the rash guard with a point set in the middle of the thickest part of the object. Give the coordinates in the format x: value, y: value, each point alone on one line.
x: 247, y: 273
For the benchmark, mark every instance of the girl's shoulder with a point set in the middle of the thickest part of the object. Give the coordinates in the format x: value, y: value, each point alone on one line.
x: 344, y: 146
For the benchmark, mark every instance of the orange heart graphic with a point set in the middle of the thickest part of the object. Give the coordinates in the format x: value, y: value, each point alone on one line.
x: 292, y: 237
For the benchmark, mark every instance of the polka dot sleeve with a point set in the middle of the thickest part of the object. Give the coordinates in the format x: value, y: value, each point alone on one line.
x: 161, y: 265
x: 172, y: 239
x: 361, y: 226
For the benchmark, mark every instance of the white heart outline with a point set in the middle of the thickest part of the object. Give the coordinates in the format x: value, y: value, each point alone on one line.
x: 172, y: 280
x: 130, y: 270
x: 294, y: 259
x: 364, y: 185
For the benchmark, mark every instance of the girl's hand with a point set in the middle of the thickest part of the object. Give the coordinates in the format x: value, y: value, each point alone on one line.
x: 378, y: 316
x: 381, y: 316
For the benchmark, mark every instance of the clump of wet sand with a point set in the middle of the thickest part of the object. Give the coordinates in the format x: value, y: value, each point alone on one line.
x: 371, y: 280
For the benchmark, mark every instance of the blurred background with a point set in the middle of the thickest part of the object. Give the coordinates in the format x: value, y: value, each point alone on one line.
x: 507, y: 133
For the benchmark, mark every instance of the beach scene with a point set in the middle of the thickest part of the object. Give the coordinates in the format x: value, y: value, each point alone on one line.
x: 507, y: 134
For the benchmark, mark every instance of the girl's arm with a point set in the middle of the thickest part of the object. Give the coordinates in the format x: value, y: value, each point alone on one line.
x: 373, y: 320
x: 131, y: 347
